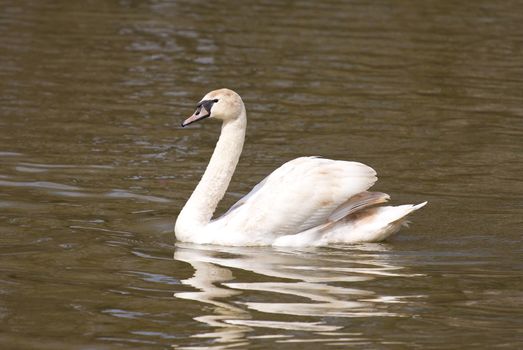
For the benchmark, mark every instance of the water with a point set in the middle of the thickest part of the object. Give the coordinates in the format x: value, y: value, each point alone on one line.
x: 94, y: 169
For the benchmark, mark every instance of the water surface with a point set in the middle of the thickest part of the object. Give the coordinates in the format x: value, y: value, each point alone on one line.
x: 94, y: 169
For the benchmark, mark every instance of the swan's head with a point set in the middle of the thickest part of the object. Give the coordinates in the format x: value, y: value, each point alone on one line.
x: 222, y: 104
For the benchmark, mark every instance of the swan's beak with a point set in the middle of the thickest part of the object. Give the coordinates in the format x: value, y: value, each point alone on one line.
x: 203, y: 110
x: 199, y: 114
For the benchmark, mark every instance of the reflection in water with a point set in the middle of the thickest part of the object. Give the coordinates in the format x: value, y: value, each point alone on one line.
x: 93, y: 169
x: 317, y: 284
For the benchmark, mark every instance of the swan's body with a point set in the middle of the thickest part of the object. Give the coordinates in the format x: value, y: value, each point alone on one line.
x: 308, y: 201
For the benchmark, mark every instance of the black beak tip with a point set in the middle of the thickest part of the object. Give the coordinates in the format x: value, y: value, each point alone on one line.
x: 183, y: 125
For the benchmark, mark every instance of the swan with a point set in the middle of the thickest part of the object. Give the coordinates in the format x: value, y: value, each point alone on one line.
x: 308, y: 201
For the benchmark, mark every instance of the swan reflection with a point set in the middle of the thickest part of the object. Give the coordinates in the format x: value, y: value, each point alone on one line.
x: 240, y: 282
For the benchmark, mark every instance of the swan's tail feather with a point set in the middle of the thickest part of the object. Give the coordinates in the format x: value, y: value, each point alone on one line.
x: 384, y: 215
x: 358, y: 202
x: 374, y: 224
x: 367, y: 225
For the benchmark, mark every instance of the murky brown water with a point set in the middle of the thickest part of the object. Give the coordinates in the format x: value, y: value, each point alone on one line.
x: 94, y: 168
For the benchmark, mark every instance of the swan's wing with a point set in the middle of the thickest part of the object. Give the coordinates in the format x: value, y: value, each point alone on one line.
x: 300, y: 194
x: 245, y: 198
x: 358, y: 202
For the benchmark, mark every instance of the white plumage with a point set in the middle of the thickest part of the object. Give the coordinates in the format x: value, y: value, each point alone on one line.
x: 308, y: 201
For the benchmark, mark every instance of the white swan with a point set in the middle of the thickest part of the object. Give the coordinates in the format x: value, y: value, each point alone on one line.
x: 308, y: 201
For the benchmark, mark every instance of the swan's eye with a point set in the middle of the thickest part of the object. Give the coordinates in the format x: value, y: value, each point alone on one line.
x: 205, y: 107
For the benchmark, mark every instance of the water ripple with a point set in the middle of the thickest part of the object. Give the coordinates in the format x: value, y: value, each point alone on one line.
x: 311, y: 285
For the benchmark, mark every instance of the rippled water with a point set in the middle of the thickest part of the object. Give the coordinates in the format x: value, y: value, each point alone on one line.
x: 94, y: 169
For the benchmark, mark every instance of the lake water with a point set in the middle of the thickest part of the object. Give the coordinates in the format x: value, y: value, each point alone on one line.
x: 94, y: 169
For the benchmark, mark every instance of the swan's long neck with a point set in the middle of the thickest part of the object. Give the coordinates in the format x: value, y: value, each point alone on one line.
x: 199, y: 209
